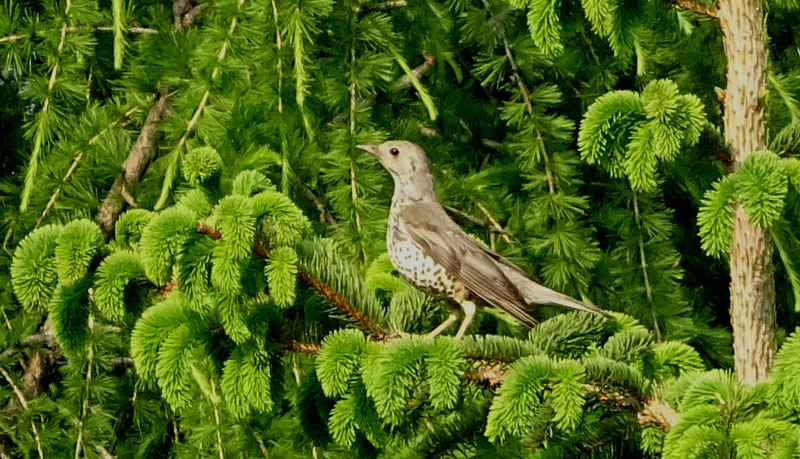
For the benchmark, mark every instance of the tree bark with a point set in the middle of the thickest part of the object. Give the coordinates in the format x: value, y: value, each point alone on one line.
x: 752, y: 276
x: 133, y: 167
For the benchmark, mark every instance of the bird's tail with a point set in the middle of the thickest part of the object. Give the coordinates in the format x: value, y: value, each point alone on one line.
x: 539, y: 294
x: 535, y: 293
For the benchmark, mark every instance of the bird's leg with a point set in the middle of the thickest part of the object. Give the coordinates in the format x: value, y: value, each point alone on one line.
x: 442, y: 326
x: 469, y: 313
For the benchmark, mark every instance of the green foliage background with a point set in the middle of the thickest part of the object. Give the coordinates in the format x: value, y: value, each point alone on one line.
x: 244, y: 306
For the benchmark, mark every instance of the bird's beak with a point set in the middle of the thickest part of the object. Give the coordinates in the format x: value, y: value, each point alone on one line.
x: 371, y: 149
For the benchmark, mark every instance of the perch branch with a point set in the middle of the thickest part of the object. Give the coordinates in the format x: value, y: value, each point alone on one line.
x: 649, y: 410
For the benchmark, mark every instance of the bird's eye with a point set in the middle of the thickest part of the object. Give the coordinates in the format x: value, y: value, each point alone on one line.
x: 394, y: 151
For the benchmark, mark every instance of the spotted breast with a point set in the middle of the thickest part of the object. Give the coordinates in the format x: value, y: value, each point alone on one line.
x: 415, y: 266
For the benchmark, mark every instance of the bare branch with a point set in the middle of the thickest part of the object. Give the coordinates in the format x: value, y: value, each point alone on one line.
x: 133, y: 167
x: 418, y: 71
x: 40, y: 338
x: 494, y: 221
x: 476, y: 220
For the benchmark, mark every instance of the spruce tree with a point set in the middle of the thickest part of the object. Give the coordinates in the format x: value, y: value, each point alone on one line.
x: 193, y: 255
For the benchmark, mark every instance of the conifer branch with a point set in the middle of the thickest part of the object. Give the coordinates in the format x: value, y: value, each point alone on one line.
x: 12, y: 38
x: 495, y: 224
x: 15, y: 389
x: 526, y: 99
x: 85, y: 401
x: 307, y: 348
x: 261, y: 445
x: 352, y: 114
x: 216, y: 419
x: 39, y: 135
x: 343, y: 303
x: 647, y: 288
x: 387, y: 5
x: 689, y: 5
x: 77, y: 160
x: 138, y: 30
x: 103, y: 452
x: 317, y: 284
x: 170, y: 176
x: 48, y: 339
x: 324, y: 215
x: 24, y: 404
x: 278, y: 61
x: 132, y: 169
x: 652, y: 410
x: 473, y: 219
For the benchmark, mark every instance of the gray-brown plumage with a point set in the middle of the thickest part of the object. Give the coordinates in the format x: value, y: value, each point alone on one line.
x: 432, y: 252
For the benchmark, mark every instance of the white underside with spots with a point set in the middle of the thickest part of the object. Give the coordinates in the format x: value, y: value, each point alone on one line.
x: 418, y: 268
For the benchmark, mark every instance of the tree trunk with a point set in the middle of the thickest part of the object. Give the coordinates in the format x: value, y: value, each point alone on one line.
x: 752, y: 277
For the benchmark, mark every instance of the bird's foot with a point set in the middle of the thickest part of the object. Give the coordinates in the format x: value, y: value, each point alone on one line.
x: 469, y: 312
x: 443, y: 326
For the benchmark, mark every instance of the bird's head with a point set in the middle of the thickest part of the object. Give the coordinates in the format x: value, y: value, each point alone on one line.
x: 408, y: 165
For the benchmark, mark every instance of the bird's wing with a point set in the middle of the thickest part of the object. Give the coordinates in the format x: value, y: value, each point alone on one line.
x: 462, y: 257
x: 483, y: 271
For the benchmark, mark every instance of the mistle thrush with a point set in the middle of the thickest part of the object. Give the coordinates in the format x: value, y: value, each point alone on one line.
x: 432, y: 252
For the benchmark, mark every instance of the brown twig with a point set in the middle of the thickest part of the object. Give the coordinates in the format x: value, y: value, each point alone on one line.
x: 693, y: 6
x: 48, y: 339
x: 495, y: 223
x: 133, y: 167
x: 308, y: 348
x: 342, y: 303
x: 476, y: 220
x: 418, y: 71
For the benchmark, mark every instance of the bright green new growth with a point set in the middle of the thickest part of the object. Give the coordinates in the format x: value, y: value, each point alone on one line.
x: 33, y: 271
x: 720, y: 415
x: 76, y: 246
x: 130, y: 226
x: 281, y: 271
x: 542, y: 391
x: 760, y: 186
x: 627, y: 134
x: 246, y: 382
x: 199, y: 164
x: 254, y: 332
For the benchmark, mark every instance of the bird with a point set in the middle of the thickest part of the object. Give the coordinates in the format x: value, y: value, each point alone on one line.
x: 430, y: 250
